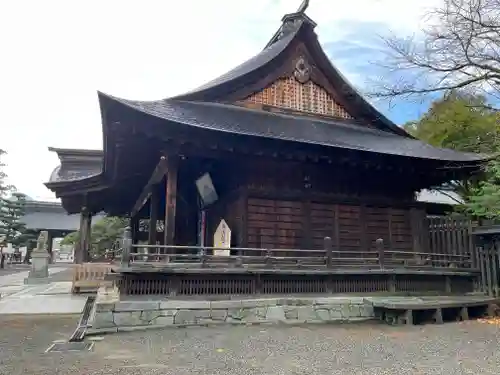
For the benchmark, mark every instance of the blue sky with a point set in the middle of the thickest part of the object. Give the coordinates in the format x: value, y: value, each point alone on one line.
x: 59, y: 54
x: 359, y: 54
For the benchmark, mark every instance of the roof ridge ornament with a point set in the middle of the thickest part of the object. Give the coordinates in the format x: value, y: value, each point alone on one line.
x: 303, y: 7
x: 291, y: 22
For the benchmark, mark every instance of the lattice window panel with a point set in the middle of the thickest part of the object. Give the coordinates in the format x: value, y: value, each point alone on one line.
x: 291, y: 94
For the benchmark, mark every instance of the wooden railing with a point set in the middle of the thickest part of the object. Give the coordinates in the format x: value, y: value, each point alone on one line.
x: 195, y: 270
x: 258, y: 258
x: 450, y: 236
x: 487, y: 249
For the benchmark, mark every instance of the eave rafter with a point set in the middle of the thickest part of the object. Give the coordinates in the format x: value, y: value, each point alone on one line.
x: 159, y: 172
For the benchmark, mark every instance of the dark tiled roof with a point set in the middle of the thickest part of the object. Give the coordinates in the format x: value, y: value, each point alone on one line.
x: 291, y: 28
x: 42, y: 215
x: 81, y: 172
x: 76, y: 164
x: 329, y: 133
x: 51, y: 221
x: 249, y: 66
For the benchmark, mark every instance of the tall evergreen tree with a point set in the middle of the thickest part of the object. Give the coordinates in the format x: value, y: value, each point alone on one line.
x: 5, y: 190
x: 12, y: 209
x: 12, y: 228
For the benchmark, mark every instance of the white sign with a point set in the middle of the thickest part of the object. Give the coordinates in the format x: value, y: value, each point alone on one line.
x: 222, y: 239
x: 206, y: 189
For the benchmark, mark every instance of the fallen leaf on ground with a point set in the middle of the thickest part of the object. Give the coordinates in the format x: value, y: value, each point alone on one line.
x: 494, y: 320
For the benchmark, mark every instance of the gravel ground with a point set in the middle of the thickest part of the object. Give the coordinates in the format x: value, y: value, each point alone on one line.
x: 454, y: 348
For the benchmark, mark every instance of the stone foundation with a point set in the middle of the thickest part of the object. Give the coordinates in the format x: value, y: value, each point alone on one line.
x: 117, y: 315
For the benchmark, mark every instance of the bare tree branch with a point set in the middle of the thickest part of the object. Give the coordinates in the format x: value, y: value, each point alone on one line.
x: 460, y: 49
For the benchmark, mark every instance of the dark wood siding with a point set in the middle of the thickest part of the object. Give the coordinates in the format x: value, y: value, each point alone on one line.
x: 353, y: 228
x: 272, y: 203
x: 401, y: 231
x: 350, y: 228
x: 275, y: 223
x: 377, y: 225
x: 323, y: 223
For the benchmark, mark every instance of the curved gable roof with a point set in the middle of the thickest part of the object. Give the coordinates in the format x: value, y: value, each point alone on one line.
x: 250, y: 66
x: 295, y: 27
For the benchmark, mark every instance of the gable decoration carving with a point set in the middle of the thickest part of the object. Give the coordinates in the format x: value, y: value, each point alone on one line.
x: 302, y: 71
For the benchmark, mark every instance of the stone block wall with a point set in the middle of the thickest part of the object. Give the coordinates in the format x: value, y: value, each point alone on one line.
x: 126, y: 315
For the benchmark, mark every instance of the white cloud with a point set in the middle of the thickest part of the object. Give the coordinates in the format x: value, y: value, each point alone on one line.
x: 57, y: 54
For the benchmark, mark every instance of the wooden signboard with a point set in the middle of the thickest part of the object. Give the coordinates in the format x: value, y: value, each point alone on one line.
x: 222, y: 239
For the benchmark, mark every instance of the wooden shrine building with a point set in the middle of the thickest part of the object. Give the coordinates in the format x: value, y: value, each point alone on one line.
x: 282, y: 148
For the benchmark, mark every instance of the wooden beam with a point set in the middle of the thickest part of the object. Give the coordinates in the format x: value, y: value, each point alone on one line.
x: 171, y: 199
x: 156, y: 176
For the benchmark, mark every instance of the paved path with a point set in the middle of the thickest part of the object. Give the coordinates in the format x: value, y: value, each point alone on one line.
x: 18, y: 277
x: 452, y: 348
x: 52, y: 298
x: 13, y: 268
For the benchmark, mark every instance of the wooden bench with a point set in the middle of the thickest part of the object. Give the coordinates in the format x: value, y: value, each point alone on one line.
x: 90, y: 276
x: 404, y: 311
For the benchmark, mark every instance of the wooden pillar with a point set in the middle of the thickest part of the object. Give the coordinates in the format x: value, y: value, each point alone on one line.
x: 154, y: 203
x: 419, y: 230
x: 78, y: 251
x: 171, y: 200
x: 88, y: 239
x: 134, y: 227
x: 80, y: 245
x: 82, y: 250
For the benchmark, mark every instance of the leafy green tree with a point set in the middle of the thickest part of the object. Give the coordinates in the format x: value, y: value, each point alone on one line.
x: 458, y: 121
x: 484, y: 201
x: 5, y: 189
x: 71, y: 239
x: 105, y: 233
x: 462, y: 122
